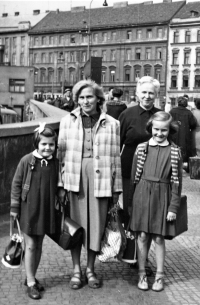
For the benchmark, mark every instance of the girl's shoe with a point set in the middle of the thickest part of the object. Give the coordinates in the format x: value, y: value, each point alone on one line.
x: 143, y: 284
x: 33, y: 292
x: 76, y: 284
x: 92, y: 280
x: 158, y: 285
x: 39, y: 286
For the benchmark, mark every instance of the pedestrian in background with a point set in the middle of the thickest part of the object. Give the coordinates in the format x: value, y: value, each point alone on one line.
x: 187, y: 122
x: 33, y: 194
x: 196, y: 131
x: 132, y: 102
x: 116, y: 106
x: 90, y: 170
x: 67, y: 101
x: 155, y: 194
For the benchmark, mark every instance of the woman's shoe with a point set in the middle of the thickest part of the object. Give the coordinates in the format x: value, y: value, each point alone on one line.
x: 40, y: 287
x: 143, y: 284
x: 76, y: 284
x: 92, y: 280
x: 33, y: 292
x: 158, y: 285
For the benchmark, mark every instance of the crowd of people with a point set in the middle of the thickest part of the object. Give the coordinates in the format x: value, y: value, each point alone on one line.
x: 104, y: 149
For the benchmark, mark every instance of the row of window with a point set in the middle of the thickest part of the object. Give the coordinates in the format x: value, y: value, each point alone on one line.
x: 186, y: 58
x: 185, y: 81
x: 17, y: 85
x: 187, y: 36
x: 14, y: 59
x: 96, y: 37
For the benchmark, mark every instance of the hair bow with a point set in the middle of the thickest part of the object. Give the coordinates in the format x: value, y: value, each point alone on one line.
x: 41, y: 127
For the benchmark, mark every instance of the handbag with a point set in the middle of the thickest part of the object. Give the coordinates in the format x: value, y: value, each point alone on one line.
x: 114, y: 239
x: 14, y: 251
x: 181, y: 223
x: 68, y: 234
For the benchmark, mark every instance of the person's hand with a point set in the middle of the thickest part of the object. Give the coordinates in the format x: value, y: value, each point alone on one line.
x: 171, y: 216
x: 62, y: 195
x: 115, y: 198
x: 14, y: 215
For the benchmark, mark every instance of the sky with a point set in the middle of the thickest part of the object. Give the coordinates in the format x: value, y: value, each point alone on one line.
x: 27, y: 7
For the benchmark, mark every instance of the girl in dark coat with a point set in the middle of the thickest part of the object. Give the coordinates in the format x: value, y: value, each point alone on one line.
x: 33, y: 201
x: 156, y: 179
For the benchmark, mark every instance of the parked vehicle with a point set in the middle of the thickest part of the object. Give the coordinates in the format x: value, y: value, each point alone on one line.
x: 7, y: 115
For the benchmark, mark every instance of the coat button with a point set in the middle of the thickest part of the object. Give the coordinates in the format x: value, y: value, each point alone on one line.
x: 98, y: 171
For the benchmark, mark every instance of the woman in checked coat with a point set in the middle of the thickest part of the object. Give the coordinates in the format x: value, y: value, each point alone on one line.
x: 90, y: 170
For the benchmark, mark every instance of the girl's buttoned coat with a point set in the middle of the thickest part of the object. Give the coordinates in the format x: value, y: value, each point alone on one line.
x: 106, y: 154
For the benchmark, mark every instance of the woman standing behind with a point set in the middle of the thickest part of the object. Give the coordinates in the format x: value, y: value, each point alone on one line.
x: 196, y: 131
x: 115, y: 107
x: 90, y: 170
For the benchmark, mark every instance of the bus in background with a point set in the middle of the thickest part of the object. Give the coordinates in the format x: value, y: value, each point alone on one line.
x: 7, y: 115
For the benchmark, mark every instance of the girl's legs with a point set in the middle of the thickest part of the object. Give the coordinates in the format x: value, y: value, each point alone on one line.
x: 160, y: 259
x: 142, y: 244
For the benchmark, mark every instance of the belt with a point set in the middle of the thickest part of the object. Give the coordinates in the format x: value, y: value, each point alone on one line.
x: 155, y: 179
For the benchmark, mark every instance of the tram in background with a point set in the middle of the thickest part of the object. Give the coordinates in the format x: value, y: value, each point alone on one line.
x: 7, y: 115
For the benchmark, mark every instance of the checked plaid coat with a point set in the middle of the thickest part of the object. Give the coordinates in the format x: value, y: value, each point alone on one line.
x: 106, y: 154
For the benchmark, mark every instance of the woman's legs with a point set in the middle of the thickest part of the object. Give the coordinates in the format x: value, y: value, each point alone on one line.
x: 93, y: 282
x: 75, y: 282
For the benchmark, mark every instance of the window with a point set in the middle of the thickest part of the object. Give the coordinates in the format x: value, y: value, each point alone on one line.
x: 148, y: 53
x: 14, y: 42
x: 84, y: 38
x: 95, y: 37
x: 173, y: 81
x: 198, y: 36
x: 127, y: 74
x: 185, y: 81
x: 82, y: 73
x: 17, y: 85
x: 113, y: 36
x: 50, y: 75
x: 35, y: 41
x: 158, y: 73
x: 44, y: 40
x: 61, y: 39
x: 175, y: 58
x: 149, y: 33
x: 22, y: 59
x: 103, y: 76
x: 83, y: 56
x: 137, y: 72
x: 35, y: 58
x: 6, y: 43
x: 51, y: 40
x: 104, y: 37
x: 128, y: 35
x: 14, y: 59
x: 112, y: 55
x: 22, y: 44
x: 72, y: 57
x: 197, y: 81
x: 103, y: 55
x: 147, y: 71
x: 187, y: 36
x: 186, y: 58
x: 72, y: 38
x: 139, y: 34
x: 51, y: 57
x: 72, y: 76
x: 158, y: 53
x: 36, y: 76
x: 128, y: 54
x: 42, y: 75
x: 43, y: 58
x: 198, y: 58
x: 60, y: 75
x: 176, y: 37
x: 112, y: 75
x: 159, y: 33
x: 138, y: 53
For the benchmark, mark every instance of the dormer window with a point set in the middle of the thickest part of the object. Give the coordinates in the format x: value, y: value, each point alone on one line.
x: 194, y: 13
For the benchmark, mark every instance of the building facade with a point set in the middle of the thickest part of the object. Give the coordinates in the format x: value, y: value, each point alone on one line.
x: 131, y: 39
x: 184, y: 55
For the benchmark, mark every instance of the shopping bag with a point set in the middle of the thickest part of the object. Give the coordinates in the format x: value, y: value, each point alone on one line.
x: 113, y: 243
x: 130, y: 253
x: 14, y: 251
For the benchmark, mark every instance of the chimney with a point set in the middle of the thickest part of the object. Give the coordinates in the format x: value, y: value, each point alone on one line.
x: 148, y: 2
x: 36, y: 12
x: 57, y: 11
x: 5, y: 15
x: 167, y: 1
x: 120, y: 4
x: 16, y: 13
x: 78, y: 9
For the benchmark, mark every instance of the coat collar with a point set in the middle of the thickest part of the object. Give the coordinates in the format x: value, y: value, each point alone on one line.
x: 142, y: 110
x: 76, y: 113
x: 152, y: 142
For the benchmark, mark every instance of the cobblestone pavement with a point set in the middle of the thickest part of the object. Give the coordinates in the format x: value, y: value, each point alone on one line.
x: 119, y: 282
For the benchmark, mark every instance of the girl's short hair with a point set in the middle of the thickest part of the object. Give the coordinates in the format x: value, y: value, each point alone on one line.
x: 164, y: 117
x: 150, y: 80
x: 197, y: 103
x: 48, y: 132
x: 98, y: 91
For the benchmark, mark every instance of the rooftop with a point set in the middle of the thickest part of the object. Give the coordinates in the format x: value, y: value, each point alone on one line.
x: 191, y: 9
x: 131, y: 15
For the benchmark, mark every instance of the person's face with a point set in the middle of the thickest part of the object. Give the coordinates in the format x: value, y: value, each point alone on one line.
x: 46, y: 146
x: 146, y: 95
x: 67, y: 93
x: 88, y: 101
x: 110, y: 95
x: 160, y: 130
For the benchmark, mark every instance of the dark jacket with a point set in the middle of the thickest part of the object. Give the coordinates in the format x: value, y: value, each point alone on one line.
x: 183, y: 138
x: 114, y: 109
x: 133, y: 132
